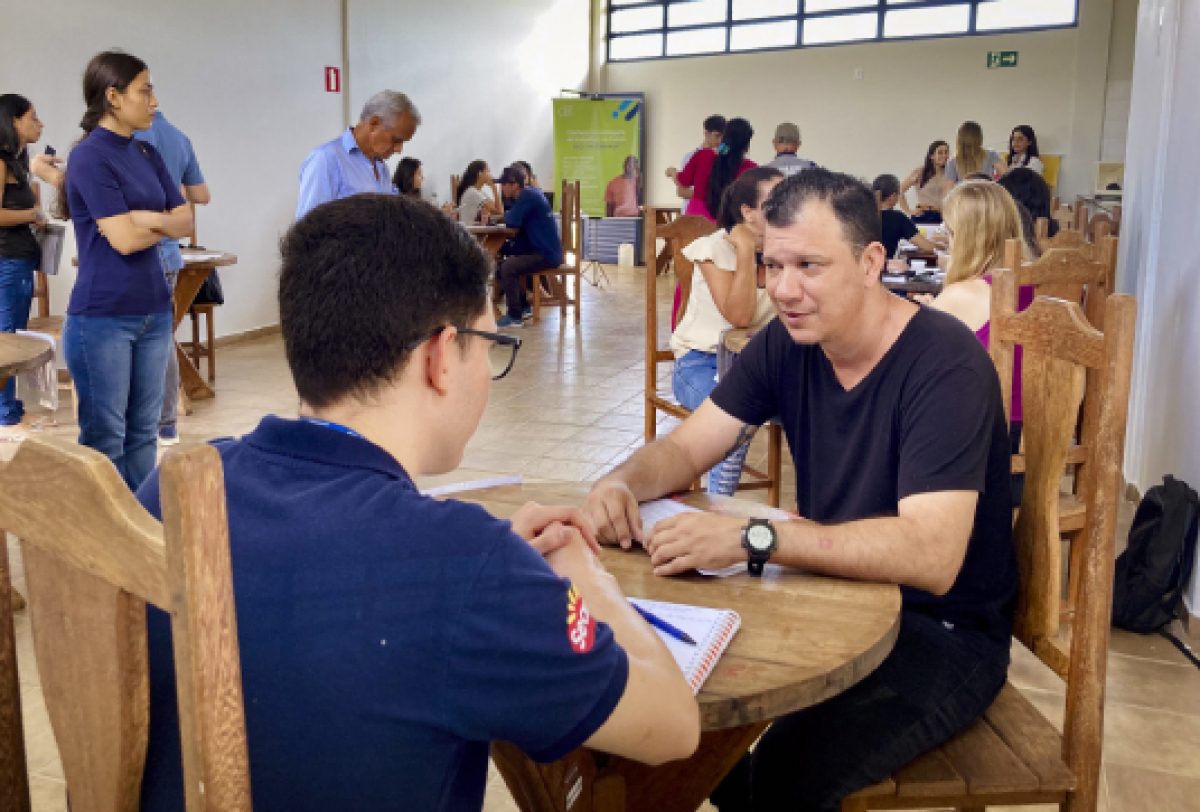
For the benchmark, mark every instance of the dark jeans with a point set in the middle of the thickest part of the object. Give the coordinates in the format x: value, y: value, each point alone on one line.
x: 510, y: 273
x: 16, y: 294
x: 934, y: 684
x: 118, y: 364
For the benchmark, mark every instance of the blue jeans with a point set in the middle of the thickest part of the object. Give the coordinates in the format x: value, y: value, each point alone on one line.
x: 118, y: 364
x: 935, y: 683
x: 16, y: 293
x: 693, y: 380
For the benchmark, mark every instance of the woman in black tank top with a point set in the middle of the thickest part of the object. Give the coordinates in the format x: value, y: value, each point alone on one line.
x: 20, y: 215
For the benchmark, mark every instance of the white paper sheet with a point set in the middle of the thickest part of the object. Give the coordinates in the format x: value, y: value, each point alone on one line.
x: 659, y: 509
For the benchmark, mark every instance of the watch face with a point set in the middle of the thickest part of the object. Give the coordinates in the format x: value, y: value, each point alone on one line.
x: 760, y: 537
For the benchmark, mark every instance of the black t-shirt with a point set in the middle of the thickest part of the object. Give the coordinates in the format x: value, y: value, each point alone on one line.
x: 18, y: 242
x: 927, y: 418
x: 896, y: 227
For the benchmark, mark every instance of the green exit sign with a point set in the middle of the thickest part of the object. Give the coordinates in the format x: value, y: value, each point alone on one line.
x: 1002, y: 59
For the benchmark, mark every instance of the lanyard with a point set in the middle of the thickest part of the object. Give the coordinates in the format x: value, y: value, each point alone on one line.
x: 333, y: 426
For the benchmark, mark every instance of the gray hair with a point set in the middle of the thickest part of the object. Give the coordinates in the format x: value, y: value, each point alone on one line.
x: 389, y: 105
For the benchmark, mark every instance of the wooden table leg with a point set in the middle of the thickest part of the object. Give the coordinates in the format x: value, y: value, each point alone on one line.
x: 188, y: 284
x: 14, y: 772
x: 586, y: 781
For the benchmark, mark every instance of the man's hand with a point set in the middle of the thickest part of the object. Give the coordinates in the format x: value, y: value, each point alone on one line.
x: 613, y: 509
x: 695, y: 541
x: 533, y: 521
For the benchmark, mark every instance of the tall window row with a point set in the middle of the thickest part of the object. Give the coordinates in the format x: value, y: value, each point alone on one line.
x: 642, y: 29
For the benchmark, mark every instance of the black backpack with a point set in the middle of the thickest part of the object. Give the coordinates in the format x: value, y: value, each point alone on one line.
x: 1154, y: 570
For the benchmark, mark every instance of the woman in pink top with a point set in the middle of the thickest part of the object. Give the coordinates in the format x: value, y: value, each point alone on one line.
x: 981, y: 217
x: 709, y: 173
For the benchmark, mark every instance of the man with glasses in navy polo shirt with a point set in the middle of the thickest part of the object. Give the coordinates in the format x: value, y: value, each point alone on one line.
x: 386, y: 638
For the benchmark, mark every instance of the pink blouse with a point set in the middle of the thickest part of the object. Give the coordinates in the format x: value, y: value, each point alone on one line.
x: 1024, y: 300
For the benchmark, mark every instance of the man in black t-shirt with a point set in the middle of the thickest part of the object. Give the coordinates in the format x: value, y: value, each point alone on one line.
x: 894, y: 417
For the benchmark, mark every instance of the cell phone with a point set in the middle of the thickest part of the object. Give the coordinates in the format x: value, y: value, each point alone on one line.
x: 50, y: 151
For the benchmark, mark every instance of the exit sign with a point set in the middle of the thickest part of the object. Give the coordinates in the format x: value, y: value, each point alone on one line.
x: 1002, y: 59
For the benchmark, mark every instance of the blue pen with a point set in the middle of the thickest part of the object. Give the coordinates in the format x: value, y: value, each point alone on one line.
x: 658, y: 623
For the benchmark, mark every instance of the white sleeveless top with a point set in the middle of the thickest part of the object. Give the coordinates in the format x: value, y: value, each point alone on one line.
x: 702, y: 324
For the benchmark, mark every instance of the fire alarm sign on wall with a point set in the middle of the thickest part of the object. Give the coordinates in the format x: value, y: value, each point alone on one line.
x: 333, y: 80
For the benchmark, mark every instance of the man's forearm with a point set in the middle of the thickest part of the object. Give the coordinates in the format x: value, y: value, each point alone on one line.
x: 656, y: 470
x: 889, y: 549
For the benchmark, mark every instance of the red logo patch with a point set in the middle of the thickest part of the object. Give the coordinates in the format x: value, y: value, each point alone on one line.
x: 581, y: 627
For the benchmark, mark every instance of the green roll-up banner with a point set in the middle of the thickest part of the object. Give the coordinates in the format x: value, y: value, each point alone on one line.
x: 598, y: 142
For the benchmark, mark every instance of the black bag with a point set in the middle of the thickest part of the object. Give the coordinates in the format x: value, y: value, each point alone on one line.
x: 210, y: 292
x: 1154, y: 570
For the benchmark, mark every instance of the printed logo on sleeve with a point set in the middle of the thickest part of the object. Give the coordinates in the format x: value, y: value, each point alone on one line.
x: 581, y: 626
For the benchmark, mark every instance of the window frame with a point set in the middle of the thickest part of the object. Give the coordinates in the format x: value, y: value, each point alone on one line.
x: 879, y: 8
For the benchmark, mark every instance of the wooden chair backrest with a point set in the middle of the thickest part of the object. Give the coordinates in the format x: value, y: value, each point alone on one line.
x: 93, y: 559
x: 679, y: 234
x: 572, y: 220
x: 1066, y: 273
x: 1060, y: 347
x: 454, y: 181
x: 1041, y: 229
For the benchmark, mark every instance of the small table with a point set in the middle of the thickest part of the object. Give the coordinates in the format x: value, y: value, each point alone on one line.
x: 491, y: 237
x: 20, y: 353
x: 804, y: 639
x: 912, y: 286
x: 197, y: 265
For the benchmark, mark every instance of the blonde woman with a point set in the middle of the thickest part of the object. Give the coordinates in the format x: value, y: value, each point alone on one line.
x: 980, y: 218
x: 970, y: 158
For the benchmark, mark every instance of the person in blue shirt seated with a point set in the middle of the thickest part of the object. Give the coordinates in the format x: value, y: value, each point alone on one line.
x: 537, y: 246
x: 386, y: 637
x: 180, y: 159
x: 353, y: 163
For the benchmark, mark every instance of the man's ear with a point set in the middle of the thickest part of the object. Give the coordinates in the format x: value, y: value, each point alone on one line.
x: 438, y: 359
x: 874, y: 257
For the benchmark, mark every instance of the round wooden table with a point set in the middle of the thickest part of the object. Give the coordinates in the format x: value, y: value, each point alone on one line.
x: 197, y: 267
x: 20, y: 353
x: 491, y: 237
x: 804, y: 639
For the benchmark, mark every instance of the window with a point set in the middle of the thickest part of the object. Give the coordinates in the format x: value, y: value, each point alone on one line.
x: 656, y: 29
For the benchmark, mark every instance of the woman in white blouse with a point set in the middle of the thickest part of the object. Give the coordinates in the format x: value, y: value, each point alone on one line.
x: 1023, y: 149
x: 729, y: 291
x: 474, y: 205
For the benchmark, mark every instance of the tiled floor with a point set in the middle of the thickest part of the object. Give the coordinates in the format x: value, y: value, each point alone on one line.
x: 572, y: 408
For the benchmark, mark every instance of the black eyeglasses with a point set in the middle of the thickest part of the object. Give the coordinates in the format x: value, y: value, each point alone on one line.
x: 502, y: 349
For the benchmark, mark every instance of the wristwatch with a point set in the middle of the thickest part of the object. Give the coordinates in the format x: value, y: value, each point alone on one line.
x: 759, y: 539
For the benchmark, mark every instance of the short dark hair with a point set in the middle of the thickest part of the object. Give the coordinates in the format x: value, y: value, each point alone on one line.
x: 886, y: 185
x: 743, y: 192
x: 852, y: 202
x: 715, y: 124
x: 1030, y: 190
x: 364, y: 277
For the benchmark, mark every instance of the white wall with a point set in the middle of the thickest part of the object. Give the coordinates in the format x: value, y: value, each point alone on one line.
x: 483, y: 75
x: 245, y: 80
x: 912, y: 93
x: 1159, y: 261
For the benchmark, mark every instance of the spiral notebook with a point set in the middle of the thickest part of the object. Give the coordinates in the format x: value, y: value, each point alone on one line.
x: 712, y: 629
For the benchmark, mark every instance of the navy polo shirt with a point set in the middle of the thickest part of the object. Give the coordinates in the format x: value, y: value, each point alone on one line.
x: 386, y: 638
x: 539, y: 233
x: 108, y: 175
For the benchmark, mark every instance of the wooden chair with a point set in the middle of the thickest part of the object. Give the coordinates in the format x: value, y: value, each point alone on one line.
x: 1014, y: 755
x: 680, y: 233
x: 203, y: 349
x: 653, y: 217
x: 572, y: 244
x: 454, y: 181
x: 93, y: 559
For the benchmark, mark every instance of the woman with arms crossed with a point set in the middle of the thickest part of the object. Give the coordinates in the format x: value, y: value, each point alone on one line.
x: 122, y: 202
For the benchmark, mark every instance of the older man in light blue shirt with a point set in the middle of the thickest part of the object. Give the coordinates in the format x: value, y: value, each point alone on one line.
x: 354, y: 163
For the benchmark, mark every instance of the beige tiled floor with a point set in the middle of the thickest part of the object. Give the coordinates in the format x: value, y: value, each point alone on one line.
x: 572, y: 408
